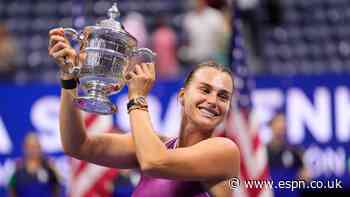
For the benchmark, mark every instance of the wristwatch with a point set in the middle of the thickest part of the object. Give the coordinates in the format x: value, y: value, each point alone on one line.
x: 137, y: 103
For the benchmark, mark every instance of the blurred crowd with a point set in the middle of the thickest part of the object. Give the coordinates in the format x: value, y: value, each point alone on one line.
x: 7, y: 54
x: 200, y: 31
x: 283, y: 37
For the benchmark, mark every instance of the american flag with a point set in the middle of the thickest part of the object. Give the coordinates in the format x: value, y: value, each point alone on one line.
x: 87, y: 179
x: 240, y: 126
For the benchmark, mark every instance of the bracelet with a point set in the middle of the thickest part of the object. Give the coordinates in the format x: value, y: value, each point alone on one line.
x: 137, y: 107
x: 69, y: 84
x: 138, y: 101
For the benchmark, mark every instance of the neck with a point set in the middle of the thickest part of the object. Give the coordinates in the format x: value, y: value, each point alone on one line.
x: 190, y: 134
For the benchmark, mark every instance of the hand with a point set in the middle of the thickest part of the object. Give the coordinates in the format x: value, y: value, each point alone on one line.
x: 61, y: 51
x: 140, y: 80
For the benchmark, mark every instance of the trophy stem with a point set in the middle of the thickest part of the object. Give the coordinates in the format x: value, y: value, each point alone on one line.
x: 95, y: 101
x: 98, y: 94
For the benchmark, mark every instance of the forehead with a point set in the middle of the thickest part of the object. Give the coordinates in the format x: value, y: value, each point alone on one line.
x: 213, y: 77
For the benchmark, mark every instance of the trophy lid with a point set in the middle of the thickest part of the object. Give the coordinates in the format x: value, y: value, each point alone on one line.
x: 113, y: 24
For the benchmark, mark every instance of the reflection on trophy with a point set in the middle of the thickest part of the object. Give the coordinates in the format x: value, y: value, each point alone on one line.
x: 109, y: 53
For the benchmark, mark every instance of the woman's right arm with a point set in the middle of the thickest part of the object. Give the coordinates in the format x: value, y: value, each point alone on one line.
x: 108, y: 149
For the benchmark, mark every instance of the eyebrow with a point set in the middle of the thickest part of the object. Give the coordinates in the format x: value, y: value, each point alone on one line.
x: 219, y: 90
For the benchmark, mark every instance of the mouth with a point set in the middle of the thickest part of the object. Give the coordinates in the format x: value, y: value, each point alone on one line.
x: 207, y: 112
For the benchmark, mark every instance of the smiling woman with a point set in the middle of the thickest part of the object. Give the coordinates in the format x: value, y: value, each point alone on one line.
x: 194, y: 164
x: 187, y: 167
x: 208, y: 89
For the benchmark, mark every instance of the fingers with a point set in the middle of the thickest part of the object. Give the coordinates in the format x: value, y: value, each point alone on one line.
x: 145, y: 70
x: 139, y: 70
x: 56, y: 31
x: 57, y: 47
x: 148, y: 69
x: 65, y: 52
x: 58, y: 38
x: 140, y: 79
x: 64, y: 57
x: 54, y: 39
x: 130, y: 75
x: 151, y: 70
x: 56, y: 35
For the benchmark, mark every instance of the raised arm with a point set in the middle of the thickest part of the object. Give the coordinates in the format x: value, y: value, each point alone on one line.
x: 108, y: 149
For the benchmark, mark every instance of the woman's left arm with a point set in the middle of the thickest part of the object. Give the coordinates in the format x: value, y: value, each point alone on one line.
x: 214, y: 158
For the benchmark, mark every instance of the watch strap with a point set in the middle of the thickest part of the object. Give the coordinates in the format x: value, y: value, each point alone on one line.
x: 69, y: 84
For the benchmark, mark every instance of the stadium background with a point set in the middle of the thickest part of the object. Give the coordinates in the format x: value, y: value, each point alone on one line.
x: 298, y: 53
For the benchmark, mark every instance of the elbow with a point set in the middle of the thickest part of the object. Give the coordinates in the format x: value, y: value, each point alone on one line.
x: 148, y: 167
x: 73, y: 151
x: 152, y: 164
x: 74, y: 148
x: 151, y: 167
x: 69, y: 151
x: 145, y: 168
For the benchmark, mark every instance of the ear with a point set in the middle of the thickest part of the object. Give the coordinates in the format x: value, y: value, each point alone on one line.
x: 181, y: 96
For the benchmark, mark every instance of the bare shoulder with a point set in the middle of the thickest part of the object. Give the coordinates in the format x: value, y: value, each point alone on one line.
x: 227, y: 150
x: 221, y: 142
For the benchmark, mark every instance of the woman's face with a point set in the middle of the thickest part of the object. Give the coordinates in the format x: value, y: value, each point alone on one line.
x: 32, y: 148
x: 206, y: 99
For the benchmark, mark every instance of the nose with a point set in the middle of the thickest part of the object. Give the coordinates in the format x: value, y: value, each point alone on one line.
x: 211, y: 99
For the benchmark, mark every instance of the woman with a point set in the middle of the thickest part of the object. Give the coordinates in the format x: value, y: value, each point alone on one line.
x: 195, y: 164
x: 34, y: 175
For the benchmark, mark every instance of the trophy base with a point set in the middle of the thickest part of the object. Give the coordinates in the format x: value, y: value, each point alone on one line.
x: 96, y: 105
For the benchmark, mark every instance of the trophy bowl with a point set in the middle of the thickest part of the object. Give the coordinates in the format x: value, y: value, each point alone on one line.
x: 107, y: 52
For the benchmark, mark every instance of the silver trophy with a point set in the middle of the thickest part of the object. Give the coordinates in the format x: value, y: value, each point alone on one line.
x: 108, y: 52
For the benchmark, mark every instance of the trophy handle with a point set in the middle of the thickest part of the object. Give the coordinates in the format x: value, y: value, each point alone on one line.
x: 140, y: 55
x: 73, y: 34
x: 143, y: 55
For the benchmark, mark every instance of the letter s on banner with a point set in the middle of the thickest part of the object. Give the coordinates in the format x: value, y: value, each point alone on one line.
x: 44, y: 117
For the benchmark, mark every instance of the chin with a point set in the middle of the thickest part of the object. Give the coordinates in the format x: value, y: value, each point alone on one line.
x: 206, y: 124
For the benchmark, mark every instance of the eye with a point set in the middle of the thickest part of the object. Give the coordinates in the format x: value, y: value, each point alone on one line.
x: 224, y: 97
x: 204, y: 90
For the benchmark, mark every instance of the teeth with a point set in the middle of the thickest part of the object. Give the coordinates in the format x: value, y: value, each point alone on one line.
x: 207, y: 113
